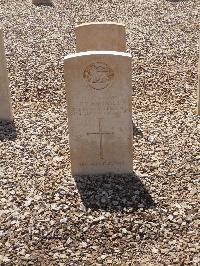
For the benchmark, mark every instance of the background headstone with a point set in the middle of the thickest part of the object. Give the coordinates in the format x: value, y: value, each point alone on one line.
x: 5, y: 102
x: 98, y: 88
x: 198, y: 88
x: 42, y: 2
x: 100, y: 36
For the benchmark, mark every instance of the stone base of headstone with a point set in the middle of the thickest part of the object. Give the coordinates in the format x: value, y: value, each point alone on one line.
x: 42, y: 2
x: 5, y: 101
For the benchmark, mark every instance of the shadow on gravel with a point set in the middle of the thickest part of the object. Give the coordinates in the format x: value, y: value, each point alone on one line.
x: 137, y: 131
x: 113, y: 192
x: 7, y: 130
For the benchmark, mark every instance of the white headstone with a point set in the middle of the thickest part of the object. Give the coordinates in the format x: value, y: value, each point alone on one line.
x: 198, y: 88
x: 100, y: 36
x: 5, y: 102
x: 98, y: 89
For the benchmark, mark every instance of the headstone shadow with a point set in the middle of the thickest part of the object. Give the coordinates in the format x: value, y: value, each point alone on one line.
x: 7, y: 130
x: 113, y: 192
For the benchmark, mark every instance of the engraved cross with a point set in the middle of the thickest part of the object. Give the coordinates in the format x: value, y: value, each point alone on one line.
x: 100, y: 133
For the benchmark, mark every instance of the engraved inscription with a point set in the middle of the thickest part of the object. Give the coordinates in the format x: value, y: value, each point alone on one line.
x: 100, y: 133
x: 85, y: 111
x: 98, y: 75
x: 110, y: 105
x: 85, y: 164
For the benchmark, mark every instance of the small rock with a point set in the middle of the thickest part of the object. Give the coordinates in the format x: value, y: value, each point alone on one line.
x: 63, y: 220
x: 155, y: 250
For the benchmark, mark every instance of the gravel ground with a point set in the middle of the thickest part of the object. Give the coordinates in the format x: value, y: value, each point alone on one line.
x: 149, y: 218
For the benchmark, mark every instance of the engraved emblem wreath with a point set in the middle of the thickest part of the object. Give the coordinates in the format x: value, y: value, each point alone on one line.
x: 98, y: 75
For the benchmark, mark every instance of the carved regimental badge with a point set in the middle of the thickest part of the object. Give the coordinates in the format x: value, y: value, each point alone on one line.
x: 98, y: 75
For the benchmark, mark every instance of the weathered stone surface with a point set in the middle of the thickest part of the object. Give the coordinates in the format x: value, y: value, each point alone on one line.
x: 198, y: 89
x: 98, y: 88
x: 5, y: 103
x: 100, y: 36
x: 41, y: 2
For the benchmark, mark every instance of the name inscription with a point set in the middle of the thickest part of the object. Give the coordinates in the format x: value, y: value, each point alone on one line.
x: 85, y: 108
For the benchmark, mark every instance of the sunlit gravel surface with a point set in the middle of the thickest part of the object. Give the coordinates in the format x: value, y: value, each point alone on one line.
x: 47, y: 217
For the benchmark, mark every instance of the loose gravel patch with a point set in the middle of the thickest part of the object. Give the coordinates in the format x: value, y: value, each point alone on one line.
x: 47, y: 217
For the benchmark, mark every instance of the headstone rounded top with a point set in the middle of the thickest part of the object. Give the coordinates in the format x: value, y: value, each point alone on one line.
x: 42, y: 2
x: 100, y: 36
x: 100, y: 23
